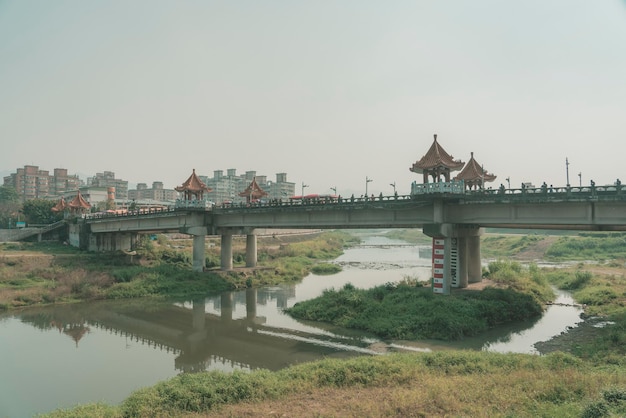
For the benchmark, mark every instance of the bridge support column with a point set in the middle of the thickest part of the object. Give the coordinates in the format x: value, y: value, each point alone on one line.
x: 474, y: 267
x: 456, y: 256
x: 251, y: 251
x: 198, y: 259
x: 462, y: 263
x: 226, y: 256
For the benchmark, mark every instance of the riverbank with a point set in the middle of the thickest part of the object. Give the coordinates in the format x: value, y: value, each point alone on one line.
x: 44, y: 273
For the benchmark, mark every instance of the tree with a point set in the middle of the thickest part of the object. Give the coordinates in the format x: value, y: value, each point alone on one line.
x: 39, y: 211
x: 9, y: 206
x: 8, y: 195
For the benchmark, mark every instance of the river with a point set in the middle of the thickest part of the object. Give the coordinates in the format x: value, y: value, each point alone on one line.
x: 58, y: 356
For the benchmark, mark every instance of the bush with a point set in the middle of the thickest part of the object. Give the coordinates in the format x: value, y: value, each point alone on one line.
x: 326, y: 268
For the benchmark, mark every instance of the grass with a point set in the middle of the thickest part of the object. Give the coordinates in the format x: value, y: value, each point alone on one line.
x: 589, y: 246
x: 445, y: 383
x: 397, y: 311
x: 41, y: 273
x: 498, y: 246
x: 603, y: 290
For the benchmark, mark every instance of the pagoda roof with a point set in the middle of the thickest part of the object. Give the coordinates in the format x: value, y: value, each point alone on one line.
x: 60, y: 206
x: 79, y: 202
x: 474, y: 171
x: 193, y: 184
x: 253, y: 190
x: 436, y: 157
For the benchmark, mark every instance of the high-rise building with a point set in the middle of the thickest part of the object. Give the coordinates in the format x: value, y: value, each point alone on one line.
x: 226, y: 188
x: 32, y: 183
x: 107, y: 179
x: 157, y: 192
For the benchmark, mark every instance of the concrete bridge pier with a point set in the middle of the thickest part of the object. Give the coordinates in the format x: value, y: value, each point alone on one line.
x: 226, y: 254
x: 113, y: 241
x: 460, y: 263
x: 198, y: 260
x: 474, y: 268
x: 251, y: 250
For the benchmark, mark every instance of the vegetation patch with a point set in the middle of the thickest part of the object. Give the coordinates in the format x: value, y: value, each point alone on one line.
x: 325, y: 268
x: 486, y: 384
x: 410, y: 311
x: 589, y: 246
x: 497, y: 246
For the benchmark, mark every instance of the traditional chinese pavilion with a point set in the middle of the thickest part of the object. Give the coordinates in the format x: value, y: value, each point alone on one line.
x: 193, y: 188
x: 473, y: 175
x: 60, y: 206
x: 79, y: 204
x: 436, y: 163
x: 253, y: 191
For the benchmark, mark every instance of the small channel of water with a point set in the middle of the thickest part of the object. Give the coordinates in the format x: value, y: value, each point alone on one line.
x: 59, y: 356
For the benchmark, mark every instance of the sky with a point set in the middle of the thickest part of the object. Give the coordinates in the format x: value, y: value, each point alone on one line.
x: 333, y: 93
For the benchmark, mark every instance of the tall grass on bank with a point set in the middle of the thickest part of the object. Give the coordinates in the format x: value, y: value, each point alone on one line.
x: 53, y: 273
x: 406, y: 311
x: 443, y: 383
x: 589, y: 246
x: 604, y: 296
x: 494, y: 246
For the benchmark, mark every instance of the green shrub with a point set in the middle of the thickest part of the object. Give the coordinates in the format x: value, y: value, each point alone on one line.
x: 325, y: 268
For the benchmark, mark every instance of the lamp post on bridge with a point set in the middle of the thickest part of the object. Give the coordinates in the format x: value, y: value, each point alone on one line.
x: 394, y: 187
x: 367, y: 180
x: 303, y: 186
x: 334, y: 189
x: 580, y: 179
x: 567, y: 170
x: 508, y: 182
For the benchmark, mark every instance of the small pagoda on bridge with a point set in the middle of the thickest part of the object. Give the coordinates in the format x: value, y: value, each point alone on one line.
x: 474, y: 175
x: 436, y: 163
x: 253, y: 192
x: 77, y: 206
x: 193, y: 188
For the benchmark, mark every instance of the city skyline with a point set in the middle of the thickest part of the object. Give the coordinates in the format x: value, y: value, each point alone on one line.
x: 331, y: 93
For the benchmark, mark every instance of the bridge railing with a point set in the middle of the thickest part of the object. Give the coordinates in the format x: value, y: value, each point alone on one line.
x: 426, y: 191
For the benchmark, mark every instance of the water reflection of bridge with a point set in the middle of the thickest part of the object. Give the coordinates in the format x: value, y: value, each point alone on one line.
x: 201, y: 340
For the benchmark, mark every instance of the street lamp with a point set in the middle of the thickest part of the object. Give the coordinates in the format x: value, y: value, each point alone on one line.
x: 303, y: 186
x: 394, y: 187
x: 334, y: 189
x: 580, y: 179
x: 567, y: 170
x: 508, y: 182
x: 367, y: 180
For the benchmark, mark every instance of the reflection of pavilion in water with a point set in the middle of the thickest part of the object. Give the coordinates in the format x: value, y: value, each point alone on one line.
x: 203, y: 340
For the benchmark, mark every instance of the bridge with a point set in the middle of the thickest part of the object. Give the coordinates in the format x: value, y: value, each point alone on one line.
x: 454, y: 217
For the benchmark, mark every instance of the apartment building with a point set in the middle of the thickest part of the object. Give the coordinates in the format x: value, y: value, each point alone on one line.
x: 30, y: 182
x: 157, y: 192
x: 107, y: 179
x: 226, y: 187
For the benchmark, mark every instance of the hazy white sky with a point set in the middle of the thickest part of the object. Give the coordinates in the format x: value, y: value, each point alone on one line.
x: 330, y: 92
